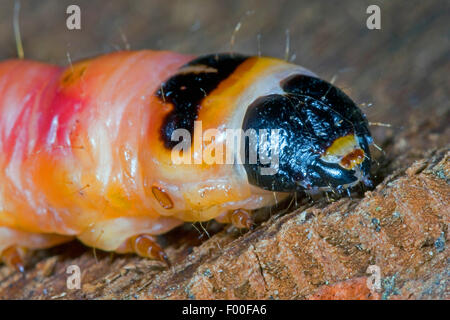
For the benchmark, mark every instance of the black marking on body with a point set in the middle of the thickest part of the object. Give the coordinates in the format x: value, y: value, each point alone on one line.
x: 189, y: 86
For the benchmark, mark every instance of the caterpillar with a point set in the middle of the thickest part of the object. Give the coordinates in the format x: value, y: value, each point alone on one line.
x: 87, y: 151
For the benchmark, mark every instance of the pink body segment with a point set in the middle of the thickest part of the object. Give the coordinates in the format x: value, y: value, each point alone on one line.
x: 61, y: 172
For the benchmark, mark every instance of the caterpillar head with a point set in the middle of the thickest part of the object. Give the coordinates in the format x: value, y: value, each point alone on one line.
x: 318, y: 138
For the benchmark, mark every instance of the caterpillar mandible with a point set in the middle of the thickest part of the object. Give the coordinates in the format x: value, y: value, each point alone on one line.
x: 87, y: 150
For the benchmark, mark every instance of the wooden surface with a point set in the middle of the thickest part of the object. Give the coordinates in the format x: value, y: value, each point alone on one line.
x: 402, y: 70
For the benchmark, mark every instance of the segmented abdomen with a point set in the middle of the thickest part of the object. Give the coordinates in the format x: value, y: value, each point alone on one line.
x: 71, y: 139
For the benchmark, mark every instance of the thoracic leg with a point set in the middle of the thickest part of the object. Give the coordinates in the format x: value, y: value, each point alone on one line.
x: 14, y: 243
x: 13, y: 257
x: 239, y: 218
x: 144, y: 245
x: 130, y: 235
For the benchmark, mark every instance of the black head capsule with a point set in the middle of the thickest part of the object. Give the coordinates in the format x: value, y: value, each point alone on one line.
x: 322, y: 142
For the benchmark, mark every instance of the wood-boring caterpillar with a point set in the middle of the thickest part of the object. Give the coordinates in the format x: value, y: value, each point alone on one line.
x: 86, y: 150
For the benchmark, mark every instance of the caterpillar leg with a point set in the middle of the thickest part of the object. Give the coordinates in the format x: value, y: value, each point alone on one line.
x: 130, y: 235
x: 145, y: 246
x: 14, y: 244
x: 13, y: 257
x: 239, y: 218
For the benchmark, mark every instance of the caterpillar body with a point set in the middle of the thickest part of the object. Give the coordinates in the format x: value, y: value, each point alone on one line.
x: 86, y: 151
